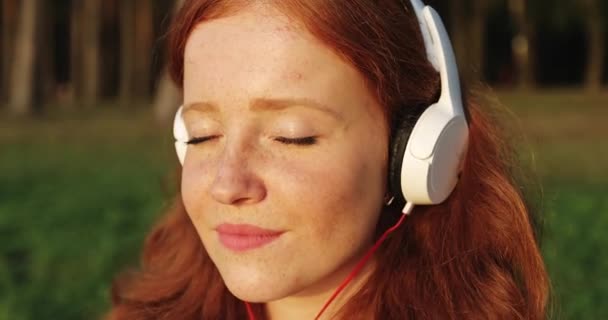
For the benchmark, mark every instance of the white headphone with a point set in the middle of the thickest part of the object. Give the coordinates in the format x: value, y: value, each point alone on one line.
x: 425, y: 160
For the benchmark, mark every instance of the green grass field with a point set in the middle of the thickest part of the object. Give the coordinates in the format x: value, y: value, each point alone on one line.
x: 79, y: 191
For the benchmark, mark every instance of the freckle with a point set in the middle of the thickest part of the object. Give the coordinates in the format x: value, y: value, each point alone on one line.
x: 281, y: 28
x: 295, y: 76
x: 286, y: 32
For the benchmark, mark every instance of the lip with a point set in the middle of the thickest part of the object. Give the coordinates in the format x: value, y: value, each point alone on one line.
x: 244, y: 237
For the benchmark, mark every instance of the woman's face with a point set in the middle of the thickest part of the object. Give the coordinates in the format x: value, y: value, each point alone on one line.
x: 295, y: 144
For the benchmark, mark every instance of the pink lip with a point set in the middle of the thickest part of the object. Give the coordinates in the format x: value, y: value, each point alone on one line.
x: 243, y: 237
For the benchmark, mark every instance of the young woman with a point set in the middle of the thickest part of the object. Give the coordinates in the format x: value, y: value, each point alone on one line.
x: 310, y: 132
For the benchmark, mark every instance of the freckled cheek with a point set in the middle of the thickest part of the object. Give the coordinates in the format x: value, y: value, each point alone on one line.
x: 317, y: 191
x: 194, y: 186
x: 347, y: 193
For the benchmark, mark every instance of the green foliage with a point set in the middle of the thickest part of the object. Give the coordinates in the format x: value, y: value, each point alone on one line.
x: 574, y: 249
x: 79, y: 193
x: 567, y: 131
x: 76, y: 199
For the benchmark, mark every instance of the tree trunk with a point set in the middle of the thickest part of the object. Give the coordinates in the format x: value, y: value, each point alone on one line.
x: 143, y: 47
x: 468, y: 19
x: 596, y: 45
x: 9, y: 12
x: 479, y: 12
x: 91, y: 26
x: 168, y: 96
x: 22, y: 72
x: 76, y: 80
x: 127, y: 58
x: 458, y: 35
x: 46, y: 81
x: 521, y: 45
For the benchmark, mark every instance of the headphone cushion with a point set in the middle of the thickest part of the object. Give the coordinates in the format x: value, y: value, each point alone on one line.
x: 399, y: 139
x: 403, y: 123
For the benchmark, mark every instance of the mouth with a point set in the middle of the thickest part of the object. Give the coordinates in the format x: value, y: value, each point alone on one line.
x: 244, y: 237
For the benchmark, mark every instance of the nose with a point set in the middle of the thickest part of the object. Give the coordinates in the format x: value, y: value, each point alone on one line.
x: 235, y: 183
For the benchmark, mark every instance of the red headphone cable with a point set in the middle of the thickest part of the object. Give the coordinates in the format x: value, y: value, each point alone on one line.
x: 406, y: 211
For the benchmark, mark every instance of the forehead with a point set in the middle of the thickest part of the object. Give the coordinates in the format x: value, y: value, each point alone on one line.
x: 258, y: 50
x: 249, y: 42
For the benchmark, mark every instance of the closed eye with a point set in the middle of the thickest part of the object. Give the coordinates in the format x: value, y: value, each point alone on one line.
x: 197, y: 140
x: 304, y: 141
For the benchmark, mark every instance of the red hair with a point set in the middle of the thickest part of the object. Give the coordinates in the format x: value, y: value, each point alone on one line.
x: 474, y: 256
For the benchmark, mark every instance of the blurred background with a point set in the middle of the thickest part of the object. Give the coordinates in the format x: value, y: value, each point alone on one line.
x: 87, y: 163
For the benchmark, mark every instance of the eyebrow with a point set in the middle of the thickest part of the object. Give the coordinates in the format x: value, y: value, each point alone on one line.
x: 269, y: 104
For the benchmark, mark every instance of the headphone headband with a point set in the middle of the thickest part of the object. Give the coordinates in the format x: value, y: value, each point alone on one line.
x: 426, y: 157
x: 419, y: 7
x: 440, y: 54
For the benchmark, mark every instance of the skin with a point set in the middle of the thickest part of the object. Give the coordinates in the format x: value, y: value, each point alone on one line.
x: 325, y: 196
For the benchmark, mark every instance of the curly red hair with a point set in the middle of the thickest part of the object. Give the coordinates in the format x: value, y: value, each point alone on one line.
x: 474, y: 256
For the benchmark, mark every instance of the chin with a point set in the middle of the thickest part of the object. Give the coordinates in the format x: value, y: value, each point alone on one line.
x: 258, y: 294
x: 256, y: 291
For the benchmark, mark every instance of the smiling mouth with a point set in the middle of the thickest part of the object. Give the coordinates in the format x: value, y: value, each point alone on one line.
x: 244, y: 237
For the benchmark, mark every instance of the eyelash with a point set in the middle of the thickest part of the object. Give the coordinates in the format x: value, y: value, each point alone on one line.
x: 304, y: 141
x: 197, y: 140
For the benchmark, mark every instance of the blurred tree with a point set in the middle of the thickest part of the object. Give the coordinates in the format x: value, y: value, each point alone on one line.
x: 127, y: 52
x: 477, y: 34
x: 143, y: 47
x: 21, y: 92
x: 88, y: 63
x: 468, y: 20
x: 458, y: 36
x: 45, y: 82
x: 91, y: 25
x: 9, y: 13
x: 585, y: 19
x: 76, y: 79
x: 522, y: 45
x: 137, y: 36
x: 596, y: 39
x: 167, y: 95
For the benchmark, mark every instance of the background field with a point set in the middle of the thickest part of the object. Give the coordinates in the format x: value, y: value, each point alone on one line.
x: 78, y: 192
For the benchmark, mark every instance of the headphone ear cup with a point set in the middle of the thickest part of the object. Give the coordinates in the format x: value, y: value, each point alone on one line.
x: 181, y: 135
x: 403, y: 124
